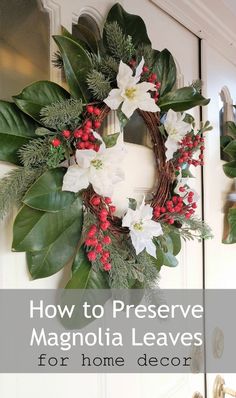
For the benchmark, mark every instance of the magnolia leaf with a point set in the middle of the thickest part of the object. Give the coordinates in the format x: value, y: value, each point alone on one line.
x: 225, y: 140
x: 231, y: 128
x: 165, y: 69
x: 132, y: 203
x: 42, y: 131
x: 170, y: 260
x: 110, y: 140
x: 84, y: 276
x: 159, y: 258
x: 54, y: 257
x: 76, y: 66
x: 176, y: 242
x: 182, y: 99
x: 122, y: 118
x: 35, y: 230
x: 46, y: 193
x: 231, y: 238
x: 132, y: 25
x: 37, y: 95
x: 230, y: 149
x: 15, y: 131
x: 230, y: 169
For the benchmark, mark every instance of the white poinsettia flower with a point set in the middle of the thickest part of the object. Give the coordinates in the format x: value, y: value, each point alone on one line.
x: 142, y: 228
x: 101, y: 169
x: 176, y: 129
x: 130, y: 93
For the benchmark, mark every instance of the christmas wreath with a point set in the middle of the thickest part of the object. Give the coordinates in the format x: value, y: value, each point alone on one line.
x: 68, y: 169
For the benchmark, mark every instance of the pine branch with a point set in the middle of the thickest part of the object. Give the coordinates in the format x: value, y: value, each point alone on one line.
x: 194, y: 228
x: 146, y: 52
x: 98, y: 84
x: 35, y: 153
x: 57, y: 60
x: 119, y: 45
x: 62, y: 114
x: 14, y: 186
x: 106, y: 65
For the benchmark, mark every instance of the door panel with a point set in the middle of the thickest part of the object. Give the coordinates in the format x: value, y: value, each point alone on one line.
x: 164, y: 32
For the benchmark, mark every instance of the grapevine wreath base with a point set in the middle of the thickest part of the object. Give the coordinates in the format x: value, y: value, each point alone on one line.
x: 68, y: 170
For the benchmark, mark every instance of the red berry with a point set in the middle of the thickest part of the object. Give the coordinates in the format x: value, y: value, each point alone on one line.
x: 93, y: 242
x: 85, y: 137
x: 66, y: 133
x: 92, y: 255
x: 103, y: 212
x: 56, y: 142
x: 153, y: 76
x: 171, y: 221
x: 90, y: 108
x: 78, y: 133
x: 145, y: 69
x: 92, y: 231
x: 96, y: 147
x: 108, y: 200
x: 188, y: 215
x: 97, y: 124
x: 95, y: 201
x: 88, y: 242
x: 97, y: 111
x: 107, y: 267
x: 107, y: 240
x: 99, y: 248
x: 158, y: 85
x: 106, y: 254
x: 112, y: 209
x: 80, y: 145
x: 88, y: 124
x: 105, y: 225
x: 91, y: 137
x: 163, y: 209
x: 194, y: 205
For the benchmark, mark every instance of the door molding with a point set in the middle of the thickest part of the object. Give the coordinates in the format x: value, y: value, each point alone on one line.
x: 200, y: 18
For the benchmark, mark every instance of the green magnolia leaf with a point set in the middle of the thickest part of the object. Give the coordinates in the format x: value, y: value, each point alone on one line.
x: 84, y: 276
x: 15, y: 130
x: 122, y: 118
x: 132, y: 203
x: 46, y: 193
x: 42, y: 131
x: 230, y: 149
x: 37, y: 95
x: 76, y: 65
x: 159, y: 258
x: 231, y: 128
x: 110, y: 140
x: 166, y: 71
x: 170, y: 260
x: 231, y: 238
x: 35, y: 230
x: 230, y: 169
x: 131, y: 25
x: 225, y: 140
x: 54, y: 257
x: 83, y: 36
x: 182, y: 100
x: 176, y: 242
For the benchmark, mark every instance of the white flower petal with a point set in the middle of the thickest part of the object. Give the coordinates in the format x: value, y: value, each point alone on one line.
x: 124, y: 75
x: 139, y: 70
x: 151, y: 248
x: 84, y: 157
x: 153, y: 228
x: 75, y: 179
x: 145, y: 86
x: 148, y: 105
x: 138, y: 243
x: 171, y: 146
x: 128, y: 108
x: 114, y: 99
x: 146, y: 212
x: 128, y: 218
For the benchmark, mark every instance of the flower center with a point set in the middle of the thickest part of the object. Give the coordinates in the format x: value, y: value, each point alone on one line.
x: 138, y: 226
x: 97, y: 163
x: 130, y: 93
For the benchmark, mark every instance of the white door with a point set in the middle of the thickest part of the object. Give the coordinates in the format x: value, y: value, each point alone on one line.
x: 163, y: 32
x: 220, y: 271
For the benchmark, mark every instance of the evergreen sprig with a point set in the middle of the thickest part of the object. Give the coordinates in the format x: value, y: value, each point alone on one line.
x: 119, y: 45
x: 35, y: 153
x: 99, y: 85
x: 62, y: 114
x: 194, y: 228
x: 14, y: 186
x: 146, y: 52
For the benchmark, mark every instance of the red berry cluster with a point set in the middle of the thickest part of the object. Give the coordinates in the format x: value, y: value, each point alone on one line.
x: 189, y: 145
x: 176, y: 206
x: 84, y: 138
x: 96, y: 241
x: 148, y: 76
